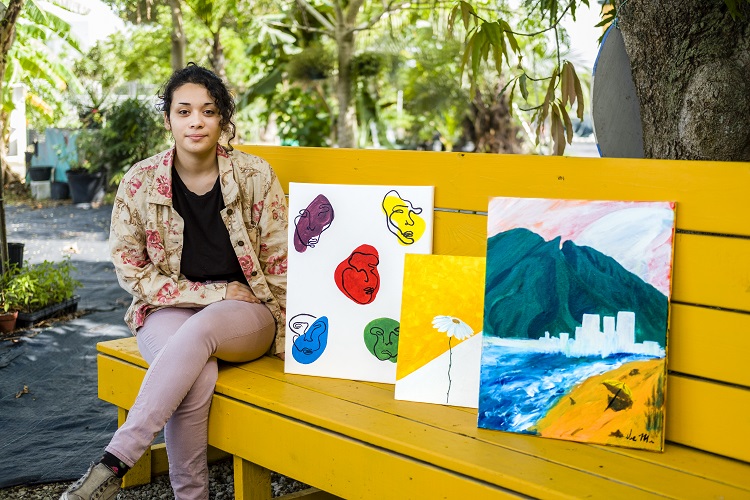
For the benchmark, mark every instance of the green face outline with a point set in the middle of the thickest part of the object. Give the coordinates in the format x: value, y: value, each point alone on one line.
x: 381, y: 338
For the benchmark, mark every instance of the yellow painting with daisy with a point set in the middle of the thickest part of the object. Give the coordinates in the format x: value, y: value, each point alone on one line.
x: 440, y: 336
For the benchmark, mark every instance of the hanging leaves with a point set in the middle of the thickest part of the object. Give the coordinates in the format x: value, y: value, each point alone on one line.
x: 570, y: 88
x: 486, y: 38
x: 557, y: 130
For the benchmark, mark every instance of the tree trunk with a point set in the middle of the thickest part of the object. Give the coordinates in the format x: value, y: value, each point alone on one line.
x: 691, y: 68
x: 178, y: 36
x: 346, y: 123
x: 217, y: 56
x: 7, y: 34
x: 493, y: 128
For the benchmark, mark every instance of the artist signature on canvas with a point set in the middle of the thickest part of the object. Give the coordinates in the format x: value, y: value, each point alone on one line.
x: 642, y: 437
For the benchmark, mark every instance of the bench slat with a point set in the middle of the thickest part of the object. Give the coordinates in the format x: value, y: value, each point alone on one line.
x: 709, y: 416
x: 449, y: 447
x: 710, y: 344
x: 685, y: 425
x: 341, y: 466
x: 710, y: 195
x: 714, y: 467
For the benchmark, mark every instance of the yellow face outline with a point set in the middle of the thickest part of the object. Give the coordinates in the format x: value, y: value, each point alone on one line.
x: 403, y: 218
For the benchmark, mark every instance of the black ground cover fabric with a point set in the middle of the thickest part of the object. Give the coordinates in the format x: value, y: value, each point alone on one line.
x: 54, y: 430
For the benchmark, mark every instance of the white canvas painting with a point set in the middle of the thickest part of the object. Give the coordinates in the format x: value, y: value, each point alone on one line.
x: 345, y: 275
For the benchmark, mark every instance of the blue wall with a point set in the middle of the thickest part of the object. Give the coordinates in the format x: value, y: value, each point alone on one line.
x: 46, y: 155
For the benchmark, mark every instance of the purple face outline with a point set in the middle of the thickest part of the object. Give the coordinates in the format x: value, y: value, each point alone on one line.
x: 311, y: 222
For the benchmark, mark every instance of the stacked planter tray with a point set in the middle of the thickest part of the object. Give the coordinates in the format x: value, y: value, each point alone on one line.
x: 65, y: 307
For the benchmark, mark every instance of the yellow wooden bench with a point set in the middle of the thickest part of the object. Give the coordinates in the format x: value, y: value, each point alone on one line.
x: 354, y: 440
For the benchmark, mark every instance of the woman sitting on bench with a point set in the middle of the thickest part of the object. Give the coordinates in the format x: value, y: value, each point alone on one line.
x: 199, y: 238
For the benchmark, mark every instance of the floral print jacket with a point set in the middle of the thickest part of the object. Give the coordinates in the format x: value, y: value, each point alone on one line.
x: 146, y: 237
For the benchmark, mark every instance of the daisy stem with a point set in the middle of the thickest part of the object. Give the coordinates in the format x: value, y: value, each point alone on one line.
x: 450, y: 362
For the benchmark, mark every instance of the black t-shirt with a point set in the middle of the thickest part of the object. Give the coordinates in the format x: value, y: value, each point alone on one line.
x: 207, y: 253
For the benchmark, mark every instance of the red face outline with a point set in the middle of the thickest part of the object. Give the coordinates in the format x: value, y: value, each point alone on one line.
x: 357, y: 276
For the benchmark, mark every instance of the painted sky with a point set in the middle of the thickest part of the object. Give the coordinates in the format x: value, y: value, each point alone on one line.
x: 637, y: 234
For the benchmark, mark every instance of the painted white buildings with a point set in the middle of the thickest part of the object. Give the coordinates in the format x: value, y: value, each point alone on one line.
x: 615, y: 336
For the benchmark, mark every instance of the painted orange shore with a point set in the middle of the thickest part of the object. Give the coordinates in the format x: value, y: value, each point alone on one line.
x: 582, y: 414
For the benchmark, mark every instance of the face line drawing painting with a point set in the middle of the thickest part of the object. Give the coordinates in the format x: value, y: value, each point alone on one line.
x: 357, y: 276
x: 381, y: 338
x: 310, y: 337
x: 402, y: 218
x: 311, y: 222
x: 575, y: 320
x: 440, y: 337
x: 345, y: 277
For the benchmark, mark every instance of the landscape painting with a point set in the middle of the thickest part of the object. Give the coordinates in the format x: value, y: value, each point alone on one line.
x: 575, y: 320
x: 441, y: 340
x: 345, y: 276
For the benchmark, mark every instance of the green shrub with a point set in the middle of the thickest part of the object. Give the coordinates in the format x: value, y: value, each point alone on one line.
x: 33, y: 287
x: 134, y: 130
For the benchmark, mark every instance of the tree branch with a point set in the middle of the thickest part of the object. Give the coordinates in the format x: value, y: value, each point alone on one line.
x: 387, y: 7
x: 318, y: 16
x: 352, y: 11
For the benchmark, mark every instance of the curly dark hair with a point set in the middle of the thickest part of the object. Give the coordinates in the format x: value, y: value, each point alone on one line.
x: 193, y: 73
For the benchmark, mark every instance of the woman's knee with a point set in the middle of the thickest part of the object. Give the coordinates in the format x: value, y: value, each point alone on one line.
x: 202, y: 390
x: 248, y: 331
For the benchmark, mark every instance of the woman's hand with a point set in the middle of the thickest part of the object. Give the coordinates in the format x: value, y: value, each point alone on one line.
x: 240, y: 291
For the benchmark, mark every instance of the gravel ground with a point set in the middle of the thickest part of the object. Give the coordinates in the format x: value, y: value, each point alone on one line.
x: 221, y: 487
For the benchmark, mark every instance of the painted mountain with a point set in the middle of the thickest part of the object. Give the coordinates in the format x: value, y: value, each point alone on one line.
x: 576, y: 305
x: 535, y: 286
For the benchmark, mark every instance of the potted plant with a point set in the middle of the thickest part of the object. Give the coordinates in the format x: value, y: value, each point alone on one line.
x: 41, y: 291
x: 9, y: 304
x: 86, y: 173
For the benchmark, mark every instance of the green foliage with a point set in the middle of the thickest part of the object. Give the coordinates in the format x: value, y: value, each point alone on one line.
x: 31, y: 61
x: 134, y: 130
x: 301, y: 118
x: 99, y: 72
x: 496, y: 42
x: 89, y: 154
x: 367, y: 64
x: 33, y: 287
x: 313, y: 63
x: 738, y: 9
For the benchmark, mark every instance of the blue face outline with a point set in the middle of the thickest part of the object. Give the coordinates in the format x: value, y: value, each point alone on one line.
x: 310, y: 340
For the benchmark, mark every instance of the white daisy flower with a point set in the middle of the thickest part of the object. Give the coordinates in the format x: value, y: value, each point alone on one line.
x: 453, y: 327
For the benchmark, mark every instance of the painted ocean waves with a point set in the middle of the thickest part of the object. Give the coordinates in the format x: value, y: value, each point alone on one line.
x: 575, y: 320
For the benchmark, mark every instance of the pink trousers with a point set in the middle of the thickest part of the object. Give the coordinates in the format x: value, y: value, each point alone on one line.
x: 181, y: 346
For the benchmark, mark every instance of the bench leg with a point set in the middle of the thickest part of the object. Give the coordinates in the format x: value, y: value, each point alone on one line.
x: 140, y: 473
x: 251, y: 482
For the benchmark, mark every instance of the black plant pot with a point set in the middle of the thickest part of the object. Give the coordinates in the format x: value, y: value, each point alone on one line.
x: 83, y: 185
x: 15, y: 254
x: 60, y: 191
x: 67, y: 306
x: 42, y: 173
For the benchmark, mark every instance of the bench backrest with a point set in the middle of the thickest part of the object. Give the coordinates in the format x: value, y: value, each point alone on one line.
x: 708, y: 389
